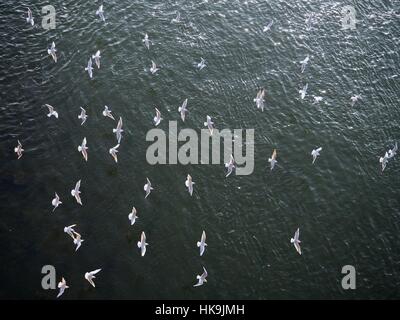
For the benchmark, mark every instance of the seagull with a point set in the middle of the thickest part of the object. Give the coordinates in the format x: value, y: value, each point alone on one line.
x: 153, y: 68
x: 209, y: 124
x: 202, y: 243
x: 315, y: 153
x: 52, y: 112
x: 303, y: 91
x: 230, y: 165
x: 69, y: 230
x: 29, y: 19
x: 76, y: 193
x: 18, y: 150
x: 296, y: 242
x: 304, y: 63
x: 89, y: 68
x: 113, y: 151
x: 147, y: 187
x: 157, y: 119
x: 82, y: 148
x: 317, y: 99
x: 77, y: 240
x: 142, y: 244
x: 201, y: 279
x: 384, y: 160
x: 56, y: 201
x: 266, y: 28
x: 100, y: 13
x: 118, y: 130
x: 83, y: 116
x: 183, y: 110
x: 52, y: 51
x: 259, y: 99
x: 177, y: 19
x: 62, y: 285
x: 107, y: 113
x: 146, y: 41
x: 272, y: 160
x: 354, y: 99
x: 96, y: 58
x: 132, y: 216
x: 201, y: 64
x: 392, y: 152
x: 89, y: 276
x: 189, y: 184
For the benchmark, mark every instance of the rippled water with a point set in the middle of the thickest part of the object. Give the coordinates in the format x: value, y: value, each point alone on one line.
x: 347, y: 211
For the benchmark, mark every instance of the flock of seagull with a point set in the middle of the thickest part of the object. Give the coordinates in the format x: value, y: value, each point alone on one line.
x: 189, y: 183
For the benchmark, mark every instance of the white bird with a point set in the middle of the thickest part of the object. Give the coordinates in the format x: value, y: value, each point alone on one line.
x: 77, y: 240
x: 52, y: 51
x: 107, y: 113
x: 230, y: 166
x: 202, y: 243
x: 209, y: 124
x: 29, y: 19
x: 142, y: 244
x: 118, y: 130
x: 354, y: 99
x: 201, y: 64
x: 201, y: 279
x: 259, y: 99
x: 52, y: 112
x: 153, y: 68
x: 18, y: 149
x: 89, y: 276
x: 89, y: 68
x: 62, y: 285
x: 113, y: 151
x: 183, y: 110
x: 56, y: 201
x: 315, y: 153
x: 177, y: 19
x: 296, y: 242
x: 100, y: 13
x: 157, y: 119
x: 132, y: 216
x: 82, y: 116
x: 317, y: 99
x: 269, y: 25
x: 147, y: 187
x: 76, y: 193
x: 392, y: 152
x: 146, y: 41
x: 384, y: 160
x: 304, y: 63
x: 189, y: 184
x: 272, y: 160
x: 69, y: 230
x: 303, y: 91
x: 96, y: 58
x: 83, y: 148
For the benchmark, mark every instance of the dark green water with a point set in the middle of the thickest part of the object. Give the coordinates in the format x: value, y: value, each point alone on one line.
x: 347, y: 210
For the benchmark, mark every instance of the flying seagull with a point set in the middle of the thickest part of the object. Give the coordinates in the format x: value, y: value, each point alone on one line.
x: 392, y: 152
x: 62, y: 285
x: 142, y: 244
x: 202, y: 243
x: 354, y: 99
x: 29, y: 19
x: 18, y: 149
x: 83, y: 148
x: 303, y: 91
x: 76, y: 193
x: 304, y: 63
x: 52, y: 51
x: 147, y: 187
x: 107, y: 113
x: 77, y: 240
x: 189, y: 184
x: 259, y: 99
x: 89, y: 276
x: 201, y: 64
x: 89, y: 68
x: 209, y: 124
x: 83, y: 116
x: 183, y: 110
x: 153, y: 68
x: 118, y: 130
x: 201, y: 279
x: 269, y: 25
x: 96, y: 58
x: 230, y: 166
x: 113, y: 151
x: 317, y: 99
x: 56, y: 201
x: 315, y: 153
x: 296, y: 242
x: 177, y: 19
x: 384, y: 160
x: 146, y: 41
x: 100, y: 13
x: 157, y: 119
x: 132, y: 216
x: 272, y: 160
x: 52, y: 112
x: 69, y: 230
